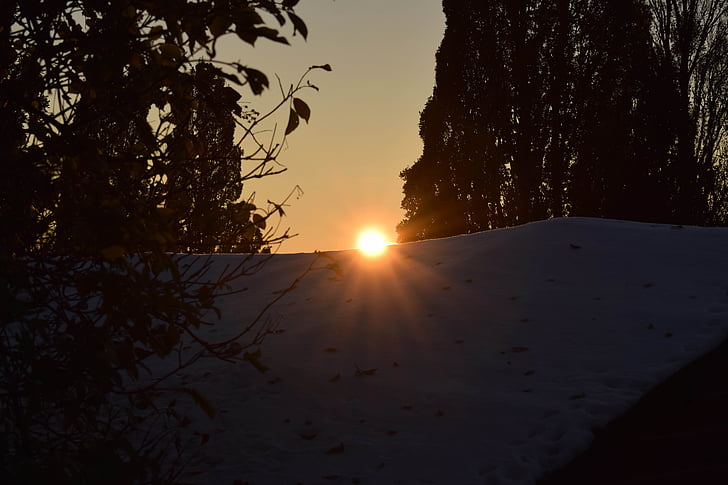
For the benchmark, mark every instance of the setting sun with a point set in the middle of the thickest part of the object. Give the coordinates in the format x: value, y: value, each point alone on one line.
x: 371, y: 242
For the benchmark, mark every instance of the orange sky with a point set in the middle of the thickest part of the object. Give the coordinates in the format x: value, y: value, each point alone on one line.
x: 364, y: 122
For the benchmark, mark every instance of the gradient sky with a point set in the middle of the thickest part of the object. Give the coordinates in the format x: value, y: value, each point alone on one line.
x: 364, y: 123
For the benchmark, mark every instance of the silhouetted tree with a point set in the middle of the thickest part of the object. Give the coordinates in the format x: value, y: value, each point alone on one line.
x: 435, y: 204
x: 502, y: 97
x: 619, y: 146
x: 544, y: 109
x: 109, y: 112
x: 204, y: 193
x: 691, y: 42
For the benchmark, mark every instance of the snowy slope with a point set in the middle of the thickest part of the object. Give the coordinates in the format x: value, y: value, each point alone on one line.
x: 485, y: 358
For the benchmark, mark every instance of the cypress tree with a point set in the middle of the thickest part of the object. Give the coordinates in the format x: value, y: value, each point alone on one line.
x: 547, y: 109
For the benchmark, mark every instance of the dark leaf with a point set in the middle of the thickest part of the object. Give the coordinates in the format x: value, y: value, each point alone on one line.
x: 325, y: 67
x: 298, y: 25
x: 246, y: 17
x: 336, y: 449
x: 257, y: 80
x: 365, y: 372
x: 233, y: 349
x: 259, y: 221
x: 219, y: 25
x: 271, y: 34
x: 292, y: 122
x: 170, y: 52
x: 280, y: 18
x: 302, y: 109
x: 246, y: 34
x: 232, y: 94
x: 254, y: 359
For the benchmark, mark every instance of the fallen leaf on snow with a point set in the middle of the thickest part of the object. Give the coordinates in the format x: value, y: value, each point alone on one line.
x: 336, y: 449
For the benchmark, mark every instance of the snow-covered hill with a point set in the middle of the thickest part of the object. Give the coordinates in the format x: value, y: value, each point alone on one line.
x: 477, y: 359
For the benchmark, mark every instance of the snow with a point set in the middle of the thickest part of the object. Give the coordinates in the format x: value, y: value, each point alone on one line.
x: 496, y: 354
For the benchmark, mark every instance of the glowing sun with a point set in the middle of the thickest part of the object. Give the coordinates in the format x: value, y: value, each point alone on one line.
x: 372, y: 242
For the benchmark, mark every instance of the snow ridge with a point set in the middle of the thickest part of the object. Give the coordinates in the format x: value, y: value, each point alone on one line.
x: 486, y: 358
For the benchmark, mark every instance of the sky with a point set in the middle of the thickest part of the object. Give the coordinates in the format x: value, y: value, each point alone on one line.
x: 364, y: 124
x: 485, y: 358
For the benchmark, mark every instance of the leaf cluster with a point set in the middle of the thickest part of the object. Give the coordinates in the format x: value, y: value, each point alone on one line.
x: 122, y: 145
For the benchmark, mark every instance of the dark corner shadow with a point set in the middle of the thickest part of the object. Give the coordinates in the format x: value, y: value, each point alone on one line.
x: 676, y: 434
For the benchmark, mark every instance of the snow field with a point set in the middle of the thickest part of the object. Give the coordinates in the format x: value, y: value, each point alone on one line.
x: 479, y: 359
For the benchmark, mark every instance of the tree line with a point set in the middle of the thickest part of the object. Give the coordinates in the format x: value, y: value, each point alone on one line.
x: 124, y: 148
x: 573, y: 108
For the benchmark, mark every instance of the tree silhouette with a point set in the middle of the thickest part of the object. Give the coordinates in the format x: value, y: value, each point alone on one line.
x: 546, y: 109
x: 116, y: 132
x: 691, y: 42
x: 201, y: 194
x: 619, y: 142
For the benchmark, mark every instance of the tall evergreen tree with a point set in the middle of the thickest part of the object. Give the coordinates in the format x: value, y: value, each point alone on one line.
x: 618, y: 144
x: 545, y: 109
x: 691, y: 42
x: 204, y: 194
x: 434, y: 203
x: 500, y: 101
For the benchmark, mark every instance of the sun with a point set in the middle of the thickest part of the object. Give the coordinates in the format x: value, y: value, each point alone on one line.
x: 372, y: 242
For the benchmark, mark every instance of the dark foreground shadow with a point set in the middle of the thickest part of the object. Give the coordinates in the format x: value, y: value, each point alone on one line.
x: 677, y: 434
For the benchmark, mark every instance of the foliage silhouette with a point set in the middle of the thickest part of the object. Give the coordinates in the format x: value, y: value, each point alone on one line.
x: 118, y: 143
x: 573, y: 107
